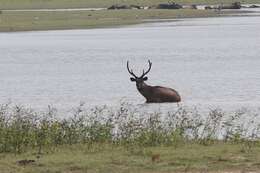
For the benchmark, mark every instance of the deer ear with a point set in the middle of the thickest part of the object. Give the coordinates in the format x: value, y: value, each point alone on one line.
x: 145, y: 78
x: 132, y: 79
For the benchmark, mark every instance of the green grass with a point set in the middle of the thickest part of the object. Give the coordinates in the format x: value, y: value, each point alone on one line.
x: 21, y: 4
x: 107, y: 158
x: 125, y: 139
x: 26, y: 21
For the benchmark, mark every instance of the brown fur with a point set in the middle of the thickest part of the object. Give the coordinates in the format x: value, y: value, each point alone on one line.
x: 153, y: 94
x: 158, y: 94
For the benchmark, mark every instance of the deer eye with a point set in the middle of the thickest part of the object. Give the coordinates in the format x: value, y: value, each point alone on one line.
x: 145, y: 78
x: 132, y: 79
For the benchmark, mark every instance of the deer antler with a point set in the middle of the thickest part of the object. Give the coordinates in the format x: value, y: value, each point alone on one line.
x: 130, y: 71
x: 150, y: 66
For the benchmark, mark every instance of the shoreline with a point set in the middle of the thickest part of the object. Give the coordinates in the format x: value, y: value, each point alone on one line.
x: 101, y: 140
x: 87, y: 18
x: 48, y: 19
x: 52, y: 4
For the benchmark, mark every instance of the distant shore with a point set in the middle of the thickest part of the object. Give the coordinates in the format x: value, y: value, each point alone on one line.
x: 58, y: 4
x: 87, y: 15
x: 59, y: 20
x: 11, y: 21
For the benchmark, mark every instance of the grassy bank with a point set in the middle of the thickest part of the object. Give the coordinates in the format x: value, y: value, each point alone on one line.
x: 218, y: 157
x: 36, y: 4
x: 127, y: 139
x: 38, y: 20
x: 27, y: 21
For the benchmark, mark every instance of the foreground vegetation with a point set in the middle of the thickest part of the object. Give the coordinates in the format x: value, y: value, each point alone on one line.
x: 31, y: 20
x: 128, y: 139
x: 38, y: 4
x: 218, y: 157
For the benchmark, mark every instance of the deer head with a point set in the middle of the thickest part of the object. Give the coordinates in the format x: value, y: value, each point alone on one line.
x: 139, y: 80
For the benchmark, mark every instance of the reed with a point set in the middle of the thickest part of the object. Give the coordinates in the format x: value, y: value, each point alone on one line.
x: 22, y: 129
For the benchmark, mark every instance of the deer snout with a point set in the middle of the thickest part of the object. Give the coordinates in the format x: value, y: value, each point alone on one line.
x: 139, y: 85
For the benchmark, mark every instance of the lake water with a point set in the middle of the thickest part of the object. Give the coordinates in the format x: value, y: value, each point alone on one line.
x: 210, y: 61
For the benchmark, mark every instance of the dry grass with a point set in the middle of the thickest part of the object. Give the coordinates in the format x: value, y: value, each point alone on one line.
x: 24, y: 21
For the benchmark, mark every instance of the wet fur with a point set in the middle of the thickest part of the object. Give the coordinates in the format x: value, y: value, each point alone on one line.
x: 159, y: 94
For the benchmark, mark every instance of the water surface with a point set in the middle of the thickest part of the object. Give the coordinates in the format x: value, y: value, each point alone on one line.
x: 210, y: 61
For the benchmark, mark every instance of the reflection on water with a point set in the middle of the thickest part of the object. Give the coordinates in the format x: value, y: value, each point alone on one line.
x: 210, y: 61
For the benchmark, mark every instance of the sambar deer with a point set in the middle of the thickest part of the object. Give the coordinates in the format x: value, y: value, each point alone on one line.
x: 153, y: 94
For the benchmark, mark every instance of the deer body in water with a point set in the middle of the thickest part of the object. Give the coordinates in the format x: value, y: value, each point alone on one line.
x: 153, y: 94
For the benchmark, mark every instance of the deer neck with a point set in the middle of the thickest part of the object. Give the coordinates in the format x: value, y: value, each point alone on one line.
x: 145, y: 90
